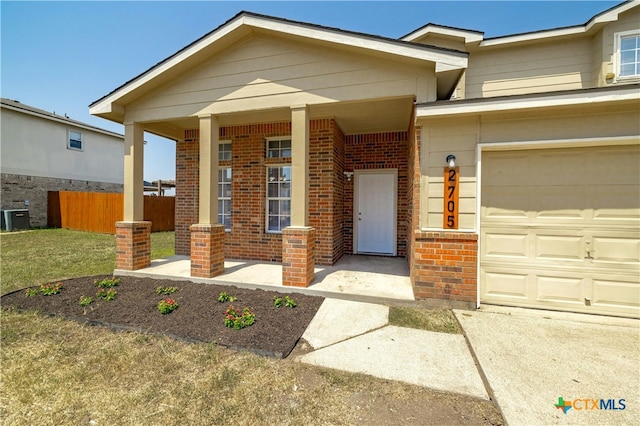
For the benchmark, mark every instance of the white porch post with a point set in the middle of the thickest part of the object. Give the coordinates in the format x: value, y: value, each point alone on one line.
x: 299, y: 165
x: 208, y: 183
x: 133, y: 234
x: 298, y: 240
x: 133, y: 172
x: 207, y: 236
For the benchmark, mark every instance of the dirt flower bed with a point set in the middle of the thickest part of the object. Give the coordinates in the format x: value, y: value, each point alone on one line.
x: 199, y: 316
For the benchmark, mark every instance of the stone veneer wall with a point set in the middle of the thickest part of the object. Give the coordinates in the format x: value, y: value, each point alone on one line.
x: 18, y: 188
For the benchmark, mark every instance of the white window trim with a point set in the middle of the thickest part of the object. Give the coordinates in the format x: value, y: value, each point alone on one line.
x: 276, y: 138
x: 69, y: 140
x: 226, y: 198
x: 267, y: 198
x: 225, y: 142
x: 616, y: 55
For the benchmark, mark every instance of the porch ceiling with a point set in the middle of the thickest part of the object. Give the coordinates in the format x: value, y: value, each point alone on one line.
x: 382, y: 115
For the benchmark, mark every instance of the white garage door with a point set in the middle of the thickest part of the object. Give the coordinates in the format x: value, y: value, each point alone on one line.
x: 560, y: 229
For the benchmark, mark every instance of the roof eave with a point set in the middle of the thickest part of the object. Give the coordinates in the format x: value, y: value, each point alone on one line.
x: 445, y: 59
x: 628, y: 93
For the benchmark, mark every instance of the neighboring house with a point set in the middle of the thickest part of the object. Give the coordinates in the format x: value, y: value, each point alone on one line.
x: 306, y: 142
x: 42, y: 152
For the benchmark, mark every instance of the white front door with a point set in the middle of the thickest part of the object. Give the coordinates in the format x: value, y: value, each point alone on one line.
x: 375, y: 212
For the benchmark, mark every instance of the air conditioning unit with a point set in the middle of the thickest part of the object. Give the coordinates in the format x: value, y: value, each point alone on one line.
x: 13, y: 220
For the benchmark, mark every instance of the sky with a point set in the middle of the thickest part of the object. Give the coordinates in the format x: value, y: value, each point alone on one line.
x: 63, y: 56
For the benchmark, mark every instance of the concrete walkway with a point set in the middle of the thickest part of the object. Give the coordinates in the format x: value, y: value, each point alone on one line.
x: 531, y: 358
x: 527, y: 359
x: 354, y: 336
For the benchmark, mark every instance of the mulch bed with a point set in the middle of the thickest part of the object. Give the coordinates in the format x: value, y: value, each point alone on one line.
x: 199, y: 317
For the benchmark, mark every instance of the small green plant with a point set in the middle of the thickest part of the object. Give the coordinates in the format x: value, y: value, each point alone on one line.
x: 289, y: 302
x: 31, y: 292
x: 106, y: 294
x: 85, y: 301
x: 166, y: 290
x: 107, y: 282
x: 51, y: 288
x: 234, y: 318
x: 224, y: 297
x: 167, y: 306
x: 286, y: 301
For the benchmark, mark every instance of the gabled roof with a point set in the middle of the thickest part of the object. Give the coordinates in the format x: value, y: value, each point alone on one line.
x: 469, y: 36
x: 472, y: 36
x: 29, y: 110
x: 246, y: 22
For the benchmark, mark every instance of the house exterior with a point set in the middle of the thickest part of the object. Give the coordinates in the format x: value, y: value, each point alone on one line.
x: 42, y: 152
x: 505, y: 170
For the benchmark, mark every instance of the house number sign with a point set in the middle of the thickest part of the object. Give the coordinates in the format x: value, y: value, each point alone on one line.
x: 451, y: 183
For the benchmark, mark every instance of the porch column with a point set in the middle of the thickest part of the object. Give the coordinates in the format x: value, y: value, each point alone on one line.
x: 207, y: 236
x: 298, y: 240
x: 133, y: 234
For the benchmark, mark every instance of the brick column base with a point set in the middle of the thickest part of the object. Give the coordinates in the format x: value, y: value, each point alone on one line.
x: 445, y: 267
x: 298, y: 256
x: 133, y: 245
x: 207, y: 250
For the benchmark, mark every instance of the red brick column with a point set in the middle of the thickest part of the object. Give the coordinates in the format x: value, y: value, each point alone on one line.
x: 298, y: 256
x: 446, y: 267
x: 133, y: 245
x: 207, y: 250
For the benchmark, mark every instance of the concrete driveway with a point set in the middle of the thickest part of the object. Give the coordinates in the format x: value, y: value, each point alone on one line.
x: 531, y: 358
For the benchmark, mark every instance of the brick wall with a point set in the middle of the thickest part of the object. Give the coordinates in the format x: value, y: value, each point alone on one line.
x: 133, y: 245
x: 377, y: 151
x: 18, y: 188
x: 445, y: 266
x: 187, y: 167
x: 330, y: 195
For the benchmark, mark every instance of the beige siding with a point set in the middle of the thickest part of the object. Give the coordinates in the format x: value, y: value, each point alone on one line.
x: 590, y: 123
x: 521, y: 69
x: 267, y: 72
x: 440, y: 138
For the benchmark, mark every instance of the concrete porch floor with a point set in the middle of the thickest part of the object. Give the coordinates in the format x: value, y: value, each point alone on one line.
x: 373, y: 279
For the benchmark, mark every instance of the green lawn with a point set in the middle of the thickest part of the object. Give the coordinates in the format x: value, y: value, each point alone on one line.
x: 39, y: 256
x: 59, y: 372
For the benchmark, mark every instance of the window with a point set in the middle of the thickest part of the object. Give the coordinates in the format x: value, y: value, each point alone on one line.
x: 224, y: 185
x: 224, y: 150
x: 224, y: 197
x: 75, y: 140
x: 278, y: 198
x: 278, y: 148
x: 628, y: 54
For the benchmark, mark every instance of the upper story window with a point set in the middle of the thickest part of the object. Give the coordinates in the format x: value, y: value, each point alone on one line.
x: 279, y: 147
x: 75, y: 140
x: 224, y: 150
x: 628, y: 54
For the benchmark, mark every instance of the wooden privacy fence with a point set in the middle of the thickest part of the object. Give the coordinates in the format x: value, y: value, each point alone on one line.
x: 99, y: 211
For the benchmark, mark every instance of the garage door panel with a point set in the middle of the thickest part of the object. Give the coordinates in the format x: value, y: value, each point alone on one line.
x: 560, y: 229
x: 615, y: 295
x: 558, y: 202
x: 506, y: 285
x: 497, y: 245
x: 561, y: 290
x: 509, y: 202
x: 559, y: 248
x: 619, y: 250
